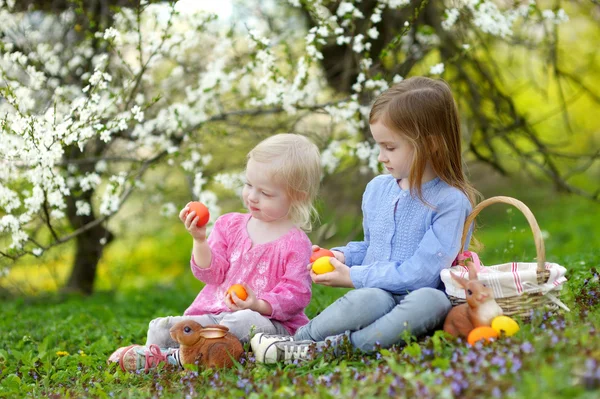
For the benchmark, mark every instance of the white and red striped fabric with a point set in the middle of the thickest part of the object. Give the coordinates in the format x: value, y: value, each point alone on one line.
x: 508, y: 279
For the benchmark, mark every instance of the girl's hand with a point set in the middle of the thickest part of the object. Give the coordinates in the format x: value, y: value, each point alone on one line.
x: 339, y: 256
x: 190, y: 220
x: 340, y: 277
x: 234, y: 303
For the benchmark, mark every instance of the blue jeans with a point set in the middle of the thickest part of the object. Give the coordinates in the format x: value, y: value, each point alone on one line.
x: 370, y: 316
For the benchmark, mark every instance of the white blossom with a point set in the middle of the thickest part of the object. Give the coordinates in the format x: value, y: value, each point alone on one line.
x: 396, y: 3
x: 373, y: 33
x: 345, y: 8
x: 230, y: 181
x: 358, y: 45
x: 83, y: 208
x: 329, y: 158
x: 437, y: 69
x: 168, y: 209
x: 137, y: 113
x: 451, y: 18
x: 199, y: 181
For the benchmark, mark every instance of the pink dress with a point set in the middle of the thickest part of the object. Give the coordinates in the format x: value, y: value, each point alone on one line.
x: 276, y: 271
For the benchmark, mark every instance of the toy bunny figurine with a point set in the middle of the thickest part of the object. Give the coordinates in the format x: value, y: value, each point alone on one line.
x: 208, y: 346
x: 480, y: 309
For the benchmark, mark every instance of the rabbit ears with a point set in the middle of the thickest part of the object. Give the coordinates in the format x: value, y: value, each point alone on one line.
x: 463, y: 281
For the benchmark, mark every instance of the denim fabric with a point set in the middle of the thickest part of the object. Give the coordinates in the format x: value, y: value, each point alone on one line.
x: 406, y: 243
x: 372, y: 316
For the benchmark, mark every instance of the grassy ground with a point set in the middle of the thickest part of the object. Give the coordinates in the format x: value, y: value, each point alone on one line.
x: 57, y: 347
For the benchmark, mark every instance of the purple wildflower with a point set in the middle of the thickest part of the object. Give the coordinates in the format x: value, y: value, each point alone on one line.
x: 527, y: 347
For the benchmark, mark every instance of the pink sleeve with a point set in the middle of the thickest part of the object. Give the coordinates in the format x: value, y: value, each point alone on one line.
x: 292, y: 293
x: 219, y: 264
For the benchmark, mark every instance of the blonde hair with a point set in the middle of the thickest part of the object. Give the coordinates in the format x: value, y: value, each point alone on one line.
x: 294, y: 162
x: 424, y: 112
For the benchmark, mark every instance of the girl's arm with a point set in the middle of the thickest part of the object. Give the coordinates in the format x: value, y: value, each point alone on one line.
x: 291, y: 295
x: 209, y: 261
x: 436, y: 251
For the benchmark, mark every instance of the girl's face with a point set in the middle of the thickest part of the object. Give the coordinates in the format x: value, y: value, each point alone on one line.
x: 266, y: 200
x: 395, y: 152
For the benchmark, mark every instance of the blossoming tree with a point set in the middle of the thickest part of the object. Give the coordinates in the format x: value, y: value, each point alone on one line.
x: 92, y: 100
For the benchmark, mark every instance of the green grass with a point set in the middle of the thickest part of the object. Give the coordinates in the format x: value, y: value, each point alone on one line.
x: 54, y: 346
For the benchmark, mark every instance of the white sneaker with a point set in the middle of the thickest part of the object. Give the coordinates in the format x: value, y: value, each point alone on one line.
x: 261, y: 342
x: 279, y: 348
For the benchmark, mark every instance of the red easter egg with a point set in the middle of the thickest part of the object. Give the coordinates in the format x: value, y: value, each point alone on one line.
x: 202, y: 211
x: 319, y: 254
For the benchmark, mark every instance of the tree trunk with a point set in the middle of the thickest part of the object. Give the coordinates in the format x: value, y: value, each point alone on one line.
x: 89, y: 248
x: 90, y: 243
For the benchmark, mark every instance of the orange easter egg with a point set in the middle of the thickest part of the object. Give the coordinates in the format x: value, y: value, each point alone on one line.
x: 482, y: 333
x: 239, y: 291
x: 202, y: 211
x: 319, y: 253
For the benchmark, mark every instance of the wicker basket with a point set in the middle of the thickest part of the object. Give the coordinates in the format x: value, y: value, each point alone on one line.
x: 519, y: 305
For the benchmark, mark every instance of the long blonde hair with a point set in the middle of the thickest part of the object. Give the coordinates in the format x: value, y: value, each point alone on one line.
x: 294, y: 162
x: 423, y: 111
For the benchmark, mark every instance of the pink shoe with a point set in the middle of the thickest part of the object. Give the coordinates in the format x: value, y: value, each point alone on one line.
x: 138, y: 357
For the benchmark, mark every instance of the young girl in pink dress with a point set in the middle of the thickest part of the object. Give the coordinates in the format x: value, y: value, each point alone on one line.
x: 265, y: 250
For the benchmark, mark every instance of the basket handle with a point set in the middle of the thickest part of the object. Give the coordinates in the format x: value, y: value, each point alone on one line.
x: 537, y: 234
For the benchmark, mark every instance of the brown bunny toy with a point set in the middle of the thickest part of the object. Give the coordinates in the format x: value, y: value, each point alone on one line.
x: 208, y: 346
x: 480, y: 309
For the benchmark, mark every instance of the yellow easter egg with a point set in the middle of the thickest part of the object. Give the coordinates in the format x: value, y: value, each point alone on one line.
x: 506, y: 325
x: 322, y: 265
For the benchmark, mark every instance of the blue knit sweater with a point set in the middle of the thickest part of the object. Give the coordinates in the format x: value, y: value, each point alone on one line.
x: 406, y: 243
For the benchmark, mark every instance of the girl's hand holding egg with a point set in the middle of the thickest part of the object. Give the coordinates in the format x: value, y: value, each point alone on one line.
x: 239, y: 297
x: 331, y: 272
x: 195, y: 216
x: 239, y: 291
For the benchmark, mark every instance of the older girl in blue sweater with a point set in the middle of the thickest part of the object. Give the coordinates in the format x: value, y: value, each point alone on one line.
x: 413, y: 220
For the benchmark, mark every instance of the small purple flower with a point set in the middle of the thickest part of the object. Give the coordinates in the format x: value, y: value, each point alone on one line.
x: 241, y: 383
x: 471, y: 357
x: 527, y: 347
x: 456, y: 388
x: 591, y: 364
x: 516, y: 366
x: 454, y: 357
x: 498, y: 361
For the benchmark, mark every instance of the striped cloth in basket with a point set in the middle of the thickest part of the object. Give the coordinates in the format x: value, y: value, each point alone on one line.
x: 508, y: 279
